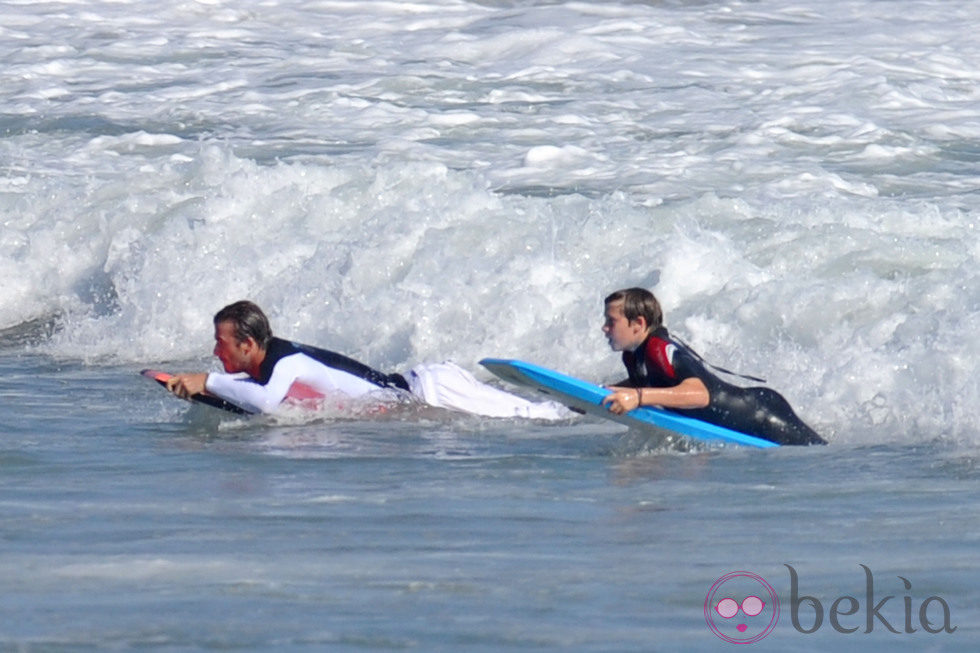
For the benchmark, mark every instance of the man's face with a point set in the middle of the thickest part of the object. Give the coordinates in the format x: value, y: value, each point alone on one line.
x: 622, y: 334
x: 235, y: 356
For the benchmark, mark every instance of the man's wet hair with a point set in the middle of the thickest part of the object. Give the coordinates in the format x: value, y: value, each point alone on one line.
x: 249, y: 322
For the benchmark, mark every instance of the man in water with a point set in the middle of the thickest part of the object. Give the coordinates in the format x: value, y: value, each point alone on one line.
x: 261, y: 371
x: 665, y: 373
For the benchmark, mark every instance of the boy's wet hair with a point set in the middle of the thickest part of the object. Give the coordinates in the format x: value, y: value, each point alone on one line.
x: 639, y: 302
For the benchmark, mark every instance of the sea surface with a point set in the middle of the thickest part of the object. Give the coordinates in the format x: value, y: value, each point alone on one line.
x: 797, y: 180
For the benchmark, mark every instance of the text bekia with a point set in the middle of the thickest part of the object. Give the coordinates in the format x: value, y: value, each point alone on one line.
x: 849, y: 606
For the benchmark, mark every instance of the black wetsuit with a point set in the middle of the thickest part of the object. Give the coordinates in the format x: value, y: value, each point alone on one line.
x: 663, y: 363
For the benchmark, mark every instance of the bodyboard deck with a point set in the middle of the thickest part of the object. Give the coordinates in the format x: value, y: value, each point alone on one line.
x: 587, y: 397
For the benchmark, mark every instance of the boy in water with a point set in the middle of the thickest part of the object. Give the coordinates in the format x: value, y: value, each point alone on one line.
x: 665, y: 373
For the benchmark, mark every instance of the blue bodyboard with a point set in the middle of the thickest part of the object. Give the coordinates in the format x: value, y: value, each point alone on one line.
x: 587, y: 397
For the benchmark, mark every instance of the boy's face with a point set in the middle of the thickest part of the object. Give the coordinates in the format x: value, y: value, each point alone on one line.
x: 622, y: 334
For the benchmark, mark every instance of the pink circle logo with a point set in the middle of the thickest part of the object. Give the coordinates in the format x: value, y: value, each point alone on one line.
x: 741, y: 608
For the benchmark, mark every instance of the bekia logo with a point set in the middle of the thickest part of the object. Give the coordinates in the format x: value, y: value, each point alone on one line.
x: 742, y: 608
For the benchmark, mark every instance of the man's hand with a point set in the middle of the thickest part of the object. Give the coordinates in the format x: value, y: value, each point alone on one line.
x: 187, y: 385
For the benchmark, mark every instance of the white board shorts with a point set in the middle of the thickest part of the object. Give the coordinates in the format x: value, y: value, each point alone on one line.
x: 447, y: 385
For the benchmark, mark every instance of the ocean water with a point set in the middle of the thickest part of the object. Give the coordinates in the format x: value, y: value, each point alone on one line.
x: 798, y: 181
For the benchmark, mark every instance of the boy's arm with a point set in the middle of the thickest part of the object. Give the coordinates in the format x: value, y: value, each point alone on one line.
x: 689, y: 393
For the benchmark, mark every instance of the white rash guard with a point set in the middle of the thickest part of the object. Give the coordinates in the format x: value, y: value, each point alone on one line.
x: 297, y: 371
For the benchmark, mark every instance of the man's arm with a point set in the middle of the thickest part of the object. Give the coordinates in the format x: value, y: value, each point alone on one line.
x: 245, y: 392
x: 238, y: 389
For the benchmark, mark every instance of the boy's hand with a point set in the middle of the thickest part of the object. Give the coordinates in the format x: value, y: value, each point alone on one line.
x: 622, y: 400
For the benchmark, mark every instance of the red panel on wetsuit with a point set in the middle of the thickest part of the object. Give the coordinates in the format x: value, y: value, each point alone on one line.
x: 302, y: 391
x: 657, y: 356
